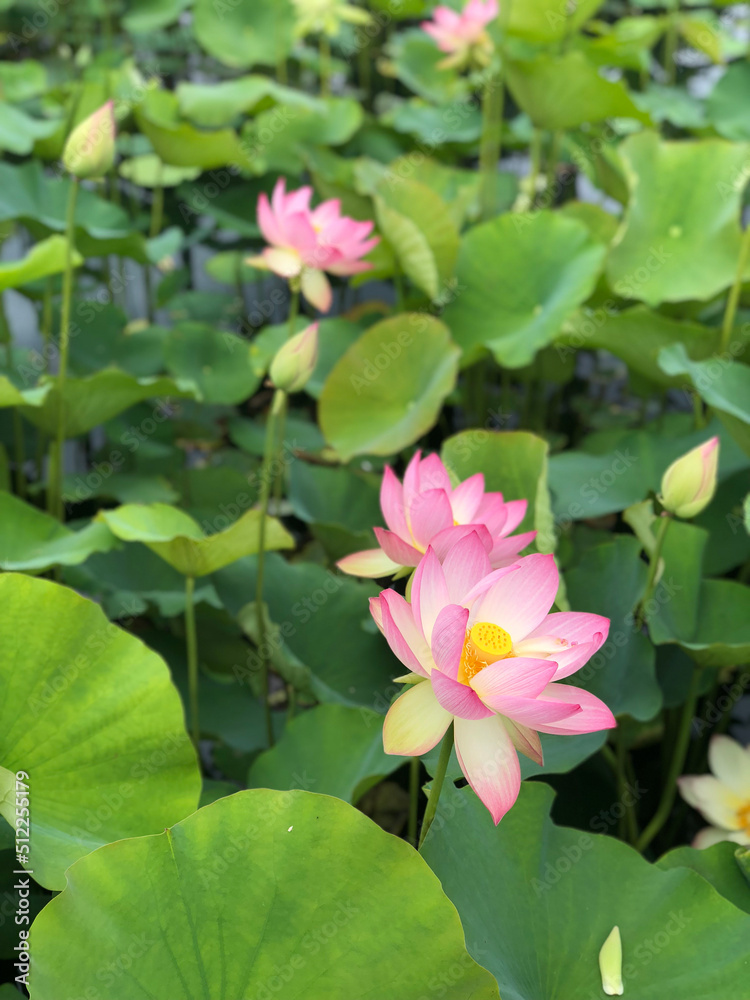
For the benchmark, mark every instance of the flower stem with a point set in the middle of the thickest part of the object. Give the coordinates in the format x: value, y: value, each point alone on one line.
x: 414, y: 767
x: 734, y: 292
x: 437, y: 785
x: 324, y: 51
x: 653, y: 569
x: 490, y: 143
x: 277, y: 408
x: 192, y: 658
x: 678, y: 761
x: 54, y: 498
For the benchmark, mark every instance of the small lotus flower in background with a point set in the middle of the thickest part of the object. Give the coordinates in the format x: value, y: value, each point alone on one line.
x: 296, y: 360
x: 305, y: 243
x: 463, y: 35
x: 610, y: 964
x: 723, y: 798
x: 689, y: 484
x: 484, y: 653
x: 326, y: 16
x: 428, y: 510
x: 90, y: 148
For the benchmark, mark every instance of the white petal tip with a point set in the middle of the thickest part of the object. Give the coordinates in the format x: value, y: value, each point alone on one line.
x: 610, y: 964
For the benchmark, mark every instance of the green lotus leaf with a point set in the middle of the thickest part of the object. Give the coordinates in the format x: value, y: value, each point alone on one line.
x: 45, y: 258
x: 545, y: 21
x: 420, y: 228
x: 520, y: 277
x: 221, y: 364
x: 180, y: 541
x: 10, y: 395
x: 148, y: 171
x: 90, y: 714
x: 280, y: 135
x: 387, y: 390
x: 725, y: 105
x: 680, y: 238
x: 330, y: 750
x: 563, y: 92
x: 145, y: 16
x: 568, y: 889
x: 19, y: 131
x: 258, y: 889
x: 96, y: 398
x: 22, y: 80
x: 716, y: 865
x: 32, y: 540
x: 245, y: 35
x: 415, y: 58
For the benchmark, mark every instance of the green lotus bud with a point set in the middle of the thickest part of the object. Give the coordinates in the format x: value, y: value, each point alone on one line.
x: 689, y: 483
x: 90, y: 149
x: 610, y: 964
x: 295, y: 362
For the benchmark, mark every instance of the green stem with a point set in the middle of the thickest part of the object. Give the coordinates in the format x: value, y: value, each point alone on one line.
x: 554, y: 153
x: 491, y: 143
x: 437, y: 785
x: 630, y: 825
x: 324, y: 51
x: 678, y: 760
x: 414, y: 768
x: 670, y: 47
x: 192, y: 658
x: 54, y: 499
x: 279, y: 402
x: 536, y: 163
x: 293, y: 312
x: 157, y: 208
x: 734, y: 292
x: 20, y: 457
x: 653, y: 568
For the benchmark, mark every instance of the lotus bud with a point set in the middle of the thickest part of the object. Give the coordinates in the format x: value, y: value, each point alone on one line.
x: 689, y: 483
x: 610, y: 964
x: 90, y: 149
x: 296, y: 361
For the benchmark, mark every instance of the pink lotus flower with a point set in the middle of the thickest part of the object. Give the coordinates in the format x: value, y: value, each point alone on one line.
x: 305, y: 242
x: 723, y: 798
x: 459, y: 34
x: 484, y: 653
x: 428, y: 510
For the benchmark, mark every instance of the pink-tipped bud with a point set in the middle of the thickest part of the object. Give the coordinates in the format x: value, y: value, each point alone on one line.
x: 90, y: 149
x: 689, y: 483
x: 296, y: 361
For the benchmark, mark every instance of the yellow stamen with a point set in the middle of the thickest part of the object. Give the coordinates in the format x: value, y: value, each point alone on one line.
x: 743, y: 817
x: 485, y: 643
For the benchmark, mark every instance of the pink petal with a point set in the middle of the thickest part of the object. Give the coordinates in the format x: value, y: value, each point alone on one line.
x: 481, y: 588
x: 444, y: 541
x: 506, y: 550
x: 267, y: 222
x: 466, y: 498
x: 492, y: 512
x: 515, y: 513
x: 395, y: 638
x: 396, y: 548
x: 285, y: 263
x: 465, y: 565
x: 525, y: 740
x: 520, y: 601
x: 411, y: 481
x: 429, y: 592
x: 433, y: 475
x: 392, y: 503
x: 372, y: 563
x: 415, y: 723
x: 317, y: 290
x: 518, y: 676
x: 429, y: 514
x: 376, y: 610
x: 456, y: 698
x: 489, y: 761
x: 593, y: 716
x: 402, y: 616
x: 584, y: 634
x: 448, y: 637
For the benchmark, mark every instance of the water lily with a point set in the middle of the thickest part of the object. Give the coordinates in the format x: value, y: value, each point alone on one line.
x: 483, y: 652
x: 723, y: 797
x: 689, y: 484
x: 428, y: 510
x: 90, y: 148
x: 306, y: 243
x: 463, y: 35
x: 295, y: 361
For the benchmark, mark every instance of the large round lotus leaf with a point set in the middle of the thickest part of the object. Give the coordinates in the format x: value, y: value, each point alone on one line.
x: 180, y: 541
x: 387, y: 390
x: 221, y: 364
x: 260, y: 894
x: 33, y: 540
x: 537, y: 902
x: 45, y: 258
x: 96, y: 398
x: 546, y: 20
x: 680, y: 239
x: 149, y: 171
x: 519, y: 278
x: 242, y: 35
x: 93, y: 718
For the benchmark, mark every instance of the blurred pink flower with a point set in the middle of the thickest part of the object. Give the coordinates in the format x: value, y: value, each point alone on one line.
x: 457, y: 34
x: 723, y: 798
x: 305, y: 242
x: 484, y: 653
x: 428, y: 510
